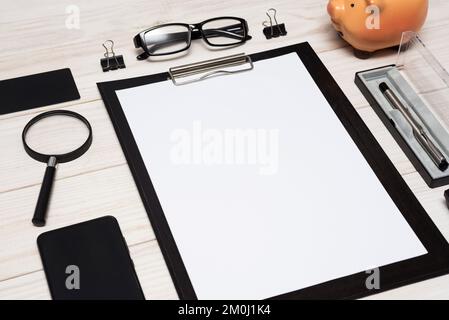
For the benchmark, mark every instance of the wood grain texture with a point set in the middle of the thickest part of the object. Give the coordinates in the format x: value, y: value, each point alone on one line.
x: 99, y: 183
x: 150, y: 267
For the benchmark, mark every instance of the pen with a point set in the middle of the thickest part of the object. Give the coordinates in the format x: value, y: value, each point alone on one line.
x: 418, y: 131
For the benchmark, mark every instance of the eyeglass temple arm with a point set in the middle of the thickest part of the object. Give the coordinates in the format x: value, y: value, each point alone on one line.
x: 214, y: 33
x: 231, y: 31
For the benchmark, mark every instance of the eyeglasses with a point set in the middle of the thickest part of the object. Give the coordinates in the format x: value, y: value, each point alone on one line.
x: 172, y: 38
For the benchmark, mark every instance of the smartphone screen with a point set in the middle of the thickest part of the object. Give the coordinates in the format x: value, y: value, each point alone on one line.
x: 89, y: 260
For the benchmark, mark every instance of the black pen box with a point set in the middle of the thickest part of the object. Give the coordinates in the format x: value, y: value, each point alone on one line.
x: 420, y: 82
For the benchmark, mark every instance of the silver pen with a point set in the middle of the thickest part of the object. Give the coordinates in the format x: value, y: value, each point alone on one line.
x: 418, y: 131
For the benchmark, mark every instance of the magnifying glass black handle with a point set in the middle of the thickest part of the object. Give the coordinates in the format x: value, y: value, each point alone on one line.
x: 44, y: 195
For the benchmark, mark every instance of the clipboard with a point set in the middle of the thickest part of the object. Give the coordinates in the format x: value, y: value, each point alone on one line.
x: 432, y: 264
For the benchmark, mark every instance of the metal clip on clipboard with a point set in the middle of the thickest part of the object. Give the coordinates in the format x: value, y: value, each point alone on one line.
x: 202, y: 70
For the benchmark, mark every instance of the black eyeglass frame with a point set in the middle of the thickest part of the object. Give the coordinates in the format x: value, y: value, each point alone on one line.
x: 195, y: 31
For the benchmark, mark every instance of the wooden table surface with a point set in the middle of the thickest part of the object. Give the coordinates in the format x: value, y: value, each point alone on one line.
x: 34, y: 38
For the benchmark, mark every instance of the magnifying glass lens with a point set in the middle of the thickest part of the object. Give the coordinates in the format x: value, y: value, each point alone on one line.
x: 56, y: 135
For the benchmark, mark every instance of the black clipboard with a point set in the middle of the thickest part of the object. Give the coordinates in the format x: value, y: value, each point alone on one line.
x: 433, y: 264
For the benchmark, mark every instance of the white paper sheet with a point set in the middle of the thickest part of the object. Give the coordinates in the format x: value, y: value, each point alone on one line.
x: 293, y: 205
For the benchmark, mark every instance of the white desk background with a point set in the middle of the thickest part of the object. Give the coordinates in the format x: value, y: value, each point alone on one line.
x: 34, y: 38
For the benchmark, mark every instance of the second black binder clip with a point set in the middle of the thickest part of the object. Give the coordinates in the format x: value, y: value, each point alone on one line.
x: 110, y: 60
x: 273, y: 30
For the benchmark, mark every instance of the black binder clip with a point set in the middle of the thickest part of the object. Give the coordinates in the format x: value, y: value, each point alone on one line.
x: 110, y: 60
x: 270, y: 30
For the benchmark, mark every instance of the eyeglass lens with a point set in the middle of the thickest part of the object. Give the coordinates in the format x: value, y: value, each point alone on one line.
x: 167, y: 39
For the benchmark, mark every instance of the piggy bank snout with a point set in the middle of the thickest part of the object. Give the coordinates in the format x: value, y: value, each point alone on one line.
x: 335, y: 8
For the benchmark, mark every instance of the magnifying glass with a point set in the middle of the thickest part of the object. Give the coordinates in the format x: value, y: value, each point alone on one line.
x: 54, y: 137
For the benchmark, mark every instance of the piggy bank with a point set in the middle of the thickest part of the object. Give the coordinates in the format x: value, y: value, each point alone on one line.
x: 371, y: 25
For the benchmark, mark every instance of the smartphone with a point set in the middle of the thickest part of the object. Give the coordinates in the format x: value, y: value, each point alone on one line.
x: 89, y: 261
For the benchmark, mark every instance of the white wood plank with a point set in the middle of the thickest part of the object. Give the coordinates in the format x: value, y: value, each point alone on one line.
x: 84, y: 197
x: 51, y: 46
x: 18, y: 170
x: 82, y: 191
x: 150, y: 267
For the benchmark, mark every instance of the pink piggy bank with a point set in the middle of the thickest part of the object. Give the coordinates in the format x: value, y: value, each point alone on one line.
x: 371, y: 25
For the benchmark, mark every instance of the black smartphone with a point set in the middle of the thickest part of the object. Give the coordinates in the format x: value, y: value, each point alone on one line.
x: 89, y: 261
